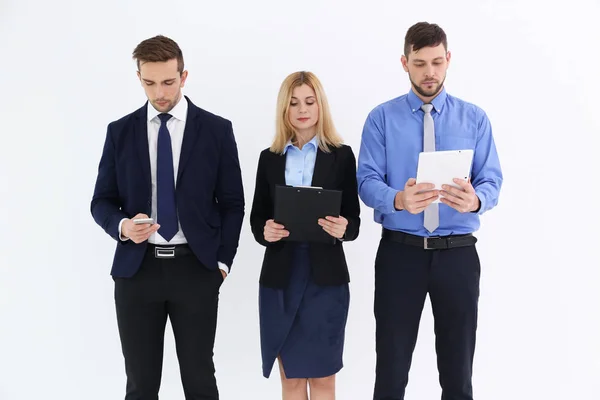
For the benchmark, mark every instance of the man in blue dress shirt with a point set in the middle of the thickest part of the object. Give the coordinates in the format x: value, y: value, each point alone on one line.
x: 427, y: 247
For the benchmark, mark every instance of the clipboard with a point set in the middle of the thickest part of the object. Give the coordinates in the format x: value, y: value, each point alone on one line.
x: 298, y: 209
x: 441, y: 167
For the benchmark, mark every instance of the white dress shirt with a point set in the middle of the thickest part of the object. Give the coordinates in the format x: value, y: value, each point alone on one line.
x: 176, y: 127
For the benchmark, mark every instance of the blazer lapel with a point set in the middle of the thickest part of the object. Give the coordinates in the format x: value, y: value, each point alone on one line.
x: 323, y: 166
x: 141, y: 139
x: 190, y: 136
x: 279, y: 169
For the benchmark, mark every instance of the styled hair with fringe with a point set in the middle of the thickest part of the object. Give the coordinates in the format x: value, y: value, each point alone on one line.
x: 424, y: 34
x: 158, y: 49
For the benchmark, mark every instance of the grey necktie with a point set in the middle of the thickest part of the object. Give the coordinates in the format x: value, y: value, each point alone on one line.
x: 431, y: 217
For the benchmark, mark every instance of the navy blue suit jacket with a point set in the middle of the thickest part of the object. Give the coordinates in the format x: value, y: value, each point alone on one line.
x: 209, y: 192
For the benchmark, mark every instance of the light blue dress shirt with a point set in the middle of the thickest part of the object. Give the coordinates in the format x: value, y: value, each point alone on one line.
x: 391, y: 141
x: 300, y: 164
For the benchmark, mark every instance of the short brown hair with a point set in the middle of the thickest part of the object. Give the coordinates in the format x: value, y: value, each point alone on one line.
x: 424, y: 34
x: 158, y: 49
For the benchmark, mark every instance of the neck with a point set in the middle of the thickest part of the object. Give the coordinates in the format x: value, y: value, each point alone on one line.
x: 303, y: 137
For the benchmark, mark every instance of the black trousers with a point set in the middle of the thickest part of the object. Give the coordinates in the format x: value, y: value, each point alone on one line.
x: 185, y: 291
x: 404, y: 275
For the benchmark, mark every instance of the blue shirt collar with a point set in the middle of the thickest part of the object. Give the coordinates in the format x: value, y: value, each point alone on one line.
x: 313, y: 142
x: 438, y: 101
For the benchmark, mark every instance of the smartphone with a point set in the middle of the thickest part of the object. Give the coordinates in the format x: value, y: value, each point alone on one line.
x: 141, y: 221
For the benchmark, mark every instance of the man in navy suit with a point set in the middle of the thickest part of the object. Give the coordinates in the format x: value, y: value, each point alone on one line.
x: 178, y: 165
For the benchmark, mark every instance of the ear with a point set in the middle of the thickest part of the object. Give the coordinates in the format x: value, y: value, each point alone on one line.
x: 448, y: 56
x: 184, y: 75
x: 404, y: 62
x: 139, y: 77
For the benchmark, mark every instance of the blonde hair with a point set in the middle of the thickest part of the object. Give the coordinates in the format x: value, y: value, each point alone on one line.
x: 327, y: 135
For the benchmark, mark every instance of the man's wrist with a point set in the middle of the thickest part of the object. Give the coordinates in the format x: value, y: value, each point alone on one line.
x: 223, y: 267
x: 398, y: 203
x: 477, y: 206
x: 122, y: 236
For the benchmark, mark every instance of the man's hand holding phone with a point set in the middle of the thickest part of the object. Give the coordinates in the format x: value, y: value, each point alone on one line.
x: 139, y: 228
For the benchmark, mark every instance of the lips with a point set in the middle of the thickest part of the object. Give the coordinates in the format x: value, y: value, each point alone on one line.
x: 303, y: 119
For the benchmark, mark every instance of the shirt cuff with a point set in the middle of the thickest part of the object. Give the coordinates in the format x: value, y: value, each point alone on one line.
x: 223, y: 267
x: 481, y: 197
x: 391, y: 201
x: 123, y: 238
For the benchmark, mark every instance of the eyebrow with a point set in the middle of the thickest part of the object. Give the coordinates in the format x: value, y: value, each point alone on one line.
x: 309, y: 97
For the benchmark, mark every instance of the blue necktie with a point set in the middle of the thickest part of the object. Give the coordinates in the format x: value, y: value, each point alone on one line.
x: 165, y: 182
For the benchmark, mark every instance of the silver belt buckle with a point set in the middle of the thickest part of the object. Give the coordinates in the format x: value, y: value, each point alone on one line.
x: 164, y: 252
x: 426, y: 242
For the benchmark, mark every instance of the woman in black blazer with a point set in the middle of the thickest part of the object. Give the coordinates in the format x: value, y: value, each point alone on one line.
x: 304, y: 295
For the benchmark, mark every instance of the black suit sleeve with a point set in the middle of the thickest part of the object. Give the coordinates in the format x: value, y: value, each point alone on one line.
x: 262, y: 204
x: 350, y: 204
x: 106, y: 206
x: 230, y: 197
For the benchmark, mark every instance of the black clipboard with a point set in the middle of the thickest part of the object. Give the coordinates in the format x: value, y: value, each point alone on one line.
x: 298, y: 209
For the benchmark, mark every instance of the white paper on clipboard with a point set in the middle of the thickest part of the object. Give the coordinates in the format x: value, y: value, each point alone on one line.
x: 441, y: 167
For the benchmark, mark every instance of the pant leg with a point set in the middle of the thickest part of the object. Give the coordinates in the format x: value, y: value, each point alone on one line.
x: 454, y: 294
x: 141, y: 318
x: 192, y: 306
x: 401, y: 275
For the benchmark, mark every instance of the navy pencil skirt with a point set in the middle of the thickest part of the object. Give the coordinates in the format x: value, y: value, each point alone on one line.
x: 304, y: 324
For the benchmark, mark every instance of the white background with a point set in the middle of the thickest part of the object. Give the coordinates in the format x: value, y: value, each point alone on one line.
x: 66, y: 72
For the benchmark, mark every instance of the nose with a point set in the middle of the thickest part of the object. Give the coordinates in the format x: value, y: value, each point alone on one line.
x: 159, y: 91
x: 303, y: 108
x: 429, y: 72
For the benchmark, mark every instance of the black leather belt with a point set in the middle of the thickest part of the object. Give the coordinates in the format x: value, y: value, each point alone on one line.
x: 172, y: 251
x: 432, y: 242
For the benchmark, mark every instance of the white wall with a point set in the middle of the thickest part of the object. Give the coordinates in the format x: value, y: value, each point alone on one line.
x: 66, y: 72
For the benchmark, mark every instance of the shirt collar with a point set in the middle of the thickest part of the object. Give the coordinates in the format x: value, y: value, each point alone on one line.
x: 438, y: 101
x: 312, y: 142
x: 179, y: 111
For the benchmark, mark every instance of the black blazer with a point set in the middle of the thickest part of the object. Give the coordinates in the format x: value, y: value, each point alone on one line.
x: 209, y: 191
x: 335, y: 170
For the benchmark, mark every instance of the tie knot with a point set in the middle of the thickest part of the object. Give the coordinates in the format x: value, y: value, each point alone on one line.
x: 427, y: 107
x: 164, y: 117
